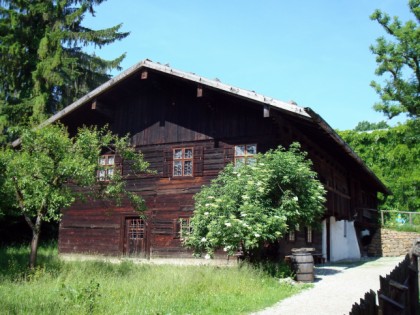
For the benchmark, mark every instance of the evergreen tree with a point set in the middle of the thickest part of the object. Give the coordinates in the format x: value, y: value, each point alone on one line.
x: 42, y: 63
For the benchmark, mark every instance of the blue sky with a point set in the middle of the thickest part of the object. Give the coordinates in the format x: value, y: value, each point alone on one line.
x: 315, y: 52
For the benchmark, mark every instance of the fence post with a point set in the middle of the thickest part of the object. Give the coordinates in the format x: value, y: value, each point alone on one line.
x: 382, y: 218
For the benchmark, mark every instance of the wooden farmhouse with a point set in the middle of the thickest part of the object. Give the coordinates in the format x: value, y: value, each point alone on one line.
x: 188, y: 128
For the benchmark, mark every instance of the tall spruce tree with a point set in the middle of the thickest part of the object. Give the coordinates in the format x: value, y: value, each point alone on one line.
x: 42, y: 63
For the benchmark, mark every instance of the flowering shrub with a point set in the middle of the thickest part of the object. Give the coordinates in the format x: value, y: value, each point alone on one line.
x: 248, y: 206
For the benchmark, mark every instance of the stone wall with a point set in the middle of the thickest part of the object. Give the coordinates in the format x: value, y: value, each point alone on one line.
x: 389, y: 243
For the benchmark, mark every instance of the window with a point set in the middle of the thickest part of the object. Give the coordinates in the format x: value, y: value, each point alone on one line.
x: 292, y: 236
x: 183, y: 162
x: 245, y: 154
x: 106, y: 167
x: 184, y: 227
x: 136, y: 229
x: 309, y: 234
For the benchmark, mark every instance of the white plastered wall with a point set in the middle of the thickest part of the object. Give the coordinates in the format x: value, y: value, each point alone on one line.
x: 343, y: 240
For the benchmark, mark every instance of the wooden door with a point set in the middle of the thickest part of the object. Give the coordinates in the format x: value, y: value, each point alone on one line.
x: 135, y: 237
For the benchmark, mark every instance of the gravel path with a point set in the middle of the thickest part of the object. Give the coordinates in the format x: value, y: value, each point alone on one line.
x: 337, y: 287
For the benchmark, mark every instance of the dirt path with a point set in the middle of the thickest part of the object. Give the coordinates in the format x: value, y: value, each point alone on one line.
x: 337, y: 287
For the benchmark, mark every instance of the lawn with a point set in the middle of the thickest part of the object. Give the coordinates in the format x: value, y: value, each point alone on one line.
x: 97, y: 287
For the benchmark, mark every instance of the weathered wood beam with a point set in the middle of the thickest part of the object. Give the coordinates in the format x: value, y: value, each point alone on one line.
x: 266, y: 111
x: 144, y: 74
x: 199, y: 91
x: 100, y: 108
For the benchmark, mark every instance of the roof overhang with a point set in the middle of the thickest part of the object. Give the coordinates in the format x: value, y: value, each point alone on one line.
x: 289, y: 108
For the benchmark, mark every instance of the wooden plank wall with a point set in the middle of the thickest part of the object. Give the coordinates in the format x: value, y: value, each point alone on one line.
x: 168, y: 114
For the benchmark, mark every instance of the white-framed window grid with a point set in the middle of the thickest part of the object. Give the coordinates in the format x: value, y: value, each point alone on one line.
x: 184, y: 227
x: 183, y: 162
x: 245, y: 154
x: 309, y: 234
x: 106, y: 167
x: 291, y: 237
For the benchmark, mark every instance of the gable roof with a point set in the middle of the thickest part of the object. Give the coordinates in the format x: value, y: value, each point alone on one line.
x: 306, y: 114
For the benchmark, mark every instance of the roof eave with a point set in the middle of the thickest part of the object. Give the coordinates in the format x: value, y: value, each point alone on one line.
x: 327, y: 128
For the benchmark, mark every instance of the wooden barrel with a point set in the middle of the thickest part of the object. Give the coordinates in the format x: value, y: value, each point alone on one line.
x: 304, y: 266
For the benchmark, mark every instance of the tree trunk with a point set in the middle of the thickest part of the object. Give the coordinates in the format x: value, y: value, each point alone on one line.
x: 36, y: 232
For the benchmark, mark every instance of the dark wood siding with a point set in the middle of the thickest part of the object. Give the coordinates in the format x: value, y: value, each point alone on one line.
x: 161, y: 114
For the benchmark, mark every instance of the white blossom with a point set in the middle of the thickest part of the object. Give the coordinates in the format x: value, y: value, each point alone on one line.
x: 203, y: 239
x: 228, y: 224
x: 295, y: 198
x: 257, y: 235
x: 206, y: 213
x: 207, y: 256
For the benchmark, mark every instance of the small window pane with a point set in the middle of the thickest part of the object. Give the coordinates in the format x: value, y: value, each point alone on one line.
x: 178, y: 154
x: 111, y: 160
x: 292, y: 236
x: 102, y: 175
x: 188, y: 153
x: 309, y: 235
x: 239, y: 150
x: 251, y: 149
x: 187, y: 168
x: 110, y: 172
x: 239, y: 161
x: 177, y: 168
x: 251, y: 161
x: 102, y: 160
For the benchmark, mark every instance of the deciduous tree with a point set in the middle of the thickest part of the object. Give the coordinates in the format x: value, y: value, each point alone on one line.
x: 248, y: 206
x: 40, y: 177
x: 393, y: 154
x: 397, y: 56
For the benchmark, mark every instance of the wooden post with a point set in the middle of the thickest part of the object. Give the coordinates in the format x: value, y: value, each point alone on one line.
x: 382, y: 218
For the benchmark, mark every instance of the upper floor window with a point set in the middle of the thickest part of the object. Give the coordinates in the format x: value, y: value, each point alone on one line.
x: 245, y: 154
x: 106, y: 167
x: 183, y: 162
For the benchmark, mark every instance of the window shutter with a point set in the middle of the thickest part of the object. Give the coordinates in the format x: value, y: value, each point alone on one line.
x: 175, y: 228
x: 198, y: 161
x: 228, y: 155
x: 167, y: 163
x: 119, y: 165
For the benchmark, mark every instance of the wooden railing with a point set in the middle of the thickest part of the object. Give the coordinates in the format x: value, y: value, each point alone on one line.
x: 398, y: 293
x: 409, y: 214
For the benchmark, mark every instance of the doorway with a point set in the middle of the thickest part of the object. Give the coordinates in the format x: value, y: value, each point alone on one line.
x: 135, y: 237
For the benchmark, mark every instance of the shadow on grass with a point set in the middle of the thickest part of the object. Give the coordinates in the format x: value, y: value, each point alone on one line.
x: 14, y: 261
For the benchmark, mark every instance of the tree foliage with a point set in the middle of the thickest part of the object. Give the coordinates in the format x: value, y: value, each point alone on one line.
x: 399, y: 59
x: 250, y: 205
x: 46, y: 172
x: 366, y: 126
x: 42, y: 63
x: 393, y: 154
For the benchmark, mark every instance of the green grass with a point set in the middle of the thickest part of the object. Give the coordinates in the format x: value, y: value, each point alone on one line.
x: 95, y: 287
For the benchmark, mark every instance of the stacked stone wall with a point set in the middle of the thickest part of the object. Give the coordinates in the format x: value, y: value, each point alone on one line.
x: 390, y: 243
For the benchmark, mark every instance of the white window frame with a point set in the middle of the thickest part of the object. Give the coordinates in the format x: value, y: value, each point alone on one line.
x: 246, y: 157
x: 182, y: 161
x: 106, y: 167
